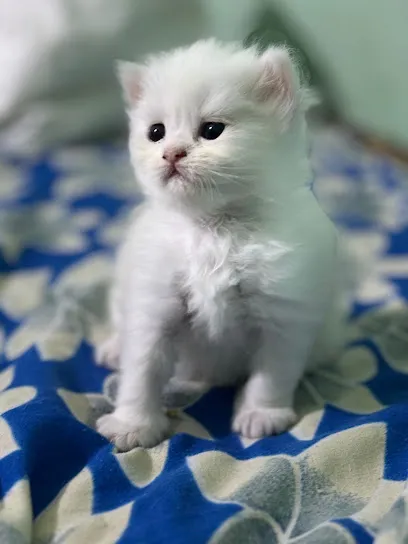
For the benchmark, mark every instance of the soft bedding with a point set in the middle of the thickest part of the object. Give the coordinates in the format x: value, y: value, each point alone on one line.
x: 339, y: 476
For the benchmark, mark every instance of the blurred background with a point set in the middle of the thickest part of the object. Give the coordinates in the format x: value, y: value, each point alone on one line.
x: 57, y: 81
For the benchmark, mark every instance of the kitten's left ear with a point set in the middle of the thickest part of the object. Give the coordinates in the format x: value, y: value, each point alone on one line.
x: 130, y: 77
x: 278, y: 82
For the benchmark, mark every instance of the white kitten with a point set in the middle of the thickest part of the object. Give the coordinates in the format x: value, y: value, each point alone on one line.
x: 227, y: 274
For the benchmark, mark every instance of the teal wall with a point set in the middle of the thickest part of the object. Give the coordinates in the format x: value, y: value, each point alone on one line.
x: 359, y: 48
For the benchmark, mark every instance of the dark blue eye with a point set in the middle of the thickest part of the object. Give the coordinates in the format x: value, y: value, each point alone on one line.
x: 157, y: 132
x: 211, y: 130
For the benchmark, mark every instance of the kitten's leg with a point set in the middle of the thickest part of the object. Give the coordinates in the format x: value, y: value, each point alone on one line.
x: 190, y: 379
x: 107, y: 354
x: 264, y: 406
x: 139, y: 418
x: 146, y: 365
x: 178, y: 393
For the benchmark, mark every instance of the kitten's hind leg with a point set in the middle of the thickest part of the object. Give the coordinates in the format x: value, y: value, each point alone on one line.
x: 180, y: 393
x: 108, y: 353
x: 189, y: 382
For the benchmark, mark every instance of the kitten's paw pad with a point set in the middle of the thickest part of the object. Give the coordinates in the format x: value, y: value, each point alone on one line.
x: 128, y: 435
x: 260, y: 422
x: 107, y: 354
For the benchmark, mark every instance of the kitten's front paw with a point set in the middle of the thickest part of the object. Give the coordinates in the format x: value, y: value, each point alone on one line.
x: 107, y: 354
x: 127, y: 435
x: 260, y: 422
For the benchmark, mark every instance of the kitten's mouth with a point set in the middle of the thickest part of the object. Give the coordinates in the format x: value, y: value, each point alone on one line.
x: 172, y: 172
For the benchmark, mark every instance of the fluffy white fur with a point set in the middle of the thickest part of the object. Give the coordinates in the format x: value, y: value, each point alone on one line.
x: 227, y: 273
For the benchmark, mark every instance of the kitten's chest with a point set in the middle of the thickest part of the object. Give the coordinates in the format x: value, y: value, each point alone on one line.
x: 212, y: 283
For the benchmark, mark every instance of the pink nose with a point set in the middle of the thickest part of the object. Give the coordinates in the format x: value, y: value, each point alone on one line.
x: 174, y: 155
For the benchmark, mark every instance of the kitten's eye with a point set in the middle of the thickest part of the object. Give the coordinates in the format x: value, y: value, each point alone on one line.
x: 157, y: 132
x: 211, y: 130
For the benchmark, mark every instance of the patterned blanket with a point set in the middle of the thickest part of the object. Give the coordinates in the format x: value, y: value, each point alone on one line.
x: 337, y: 477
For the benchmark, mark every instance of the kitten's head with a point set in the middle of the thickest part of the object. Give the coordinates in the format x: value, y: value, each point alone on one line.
x: 205, y: 119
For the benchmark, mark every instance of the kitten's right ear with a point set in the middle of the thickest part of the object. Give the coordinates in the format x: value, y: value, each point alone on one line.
x: 130, y: 76
x: 278, y: 82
